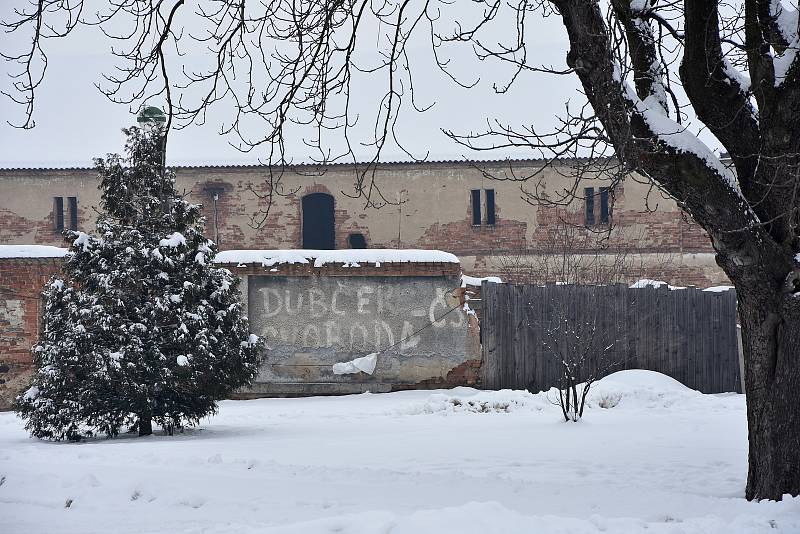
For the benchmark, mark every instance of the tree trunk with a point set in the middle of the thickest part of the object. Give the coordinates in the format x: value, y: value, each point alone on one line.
x: 145, y: 424
x: 771, y: 335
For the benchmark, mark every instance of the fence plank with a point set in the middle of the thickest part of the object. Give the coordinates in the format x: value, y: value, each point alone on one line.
x: 687, y: 334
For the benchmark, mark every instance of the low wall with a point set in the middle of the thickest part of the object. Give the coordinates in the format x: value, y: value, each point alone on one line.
x: 312, y: 317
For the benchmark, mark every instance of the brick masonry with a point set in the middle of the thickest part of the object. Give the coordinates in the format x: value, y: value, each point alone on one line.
x: 21, y: 282
x: 419, y: 205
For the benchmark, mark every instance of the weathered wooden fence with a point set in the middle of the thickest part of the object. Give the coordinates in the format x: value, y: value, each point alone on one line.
x: 687, y: 334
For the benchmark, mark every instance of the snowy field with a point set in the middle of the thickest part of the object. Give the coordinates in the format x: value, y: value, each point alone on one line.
x: 658, y: 458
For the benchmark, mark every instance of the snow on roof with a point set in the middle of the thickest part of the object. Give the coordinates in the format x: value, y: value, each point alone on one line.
x: 31, y: 251
x: 350, y: 257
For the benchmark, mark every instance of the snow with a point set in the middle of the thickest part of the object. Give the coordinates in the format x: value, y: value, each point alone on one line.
x: 349, y: 257
x: 173, y: 240
x: 650, y: 456
x: 786, y: 19
x: 646, y: 282
x: 718, y: 289
x: 182, y: 360
x: 736, y: 75
x: 467, y: 280
x: 31, y: 393
x: 365, y: 363
x: 83, y: 240
x: 31, y: 251
x: 677, y: 136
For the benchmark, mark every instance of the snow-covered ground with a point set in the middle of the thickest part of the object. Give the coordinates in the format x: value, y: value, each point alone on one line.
x: 658, y: 459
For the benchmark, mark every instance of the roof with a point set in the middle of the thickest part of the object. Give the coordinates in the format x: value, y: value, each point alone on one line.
x: 234, y: 165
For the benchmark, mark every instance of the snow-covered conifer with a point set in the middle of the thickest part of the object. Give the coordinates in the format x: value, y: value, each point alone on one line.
x: 141, y: 328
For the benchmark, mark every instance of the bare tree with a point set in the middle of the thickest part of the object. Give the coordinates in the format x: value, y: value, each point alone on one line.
x: 572, y: 254
x: 573, y: 331
x: 286, y: 63
x: 579, y: 343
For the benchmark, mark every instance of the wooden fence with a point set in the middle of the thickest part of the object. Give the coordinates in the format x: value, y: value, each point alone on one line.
x: 687, y: 334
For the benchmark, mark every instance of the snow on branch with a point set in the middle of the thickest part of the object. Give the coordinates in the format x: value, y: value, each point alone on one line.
x: 678, y: 137
x: 786, y: 21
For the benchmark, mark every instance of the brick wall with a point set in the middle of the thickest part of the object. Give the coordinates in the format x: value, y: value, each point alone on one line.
x: 339, y: 269
x: 21, y: 282
x: 435, y: 212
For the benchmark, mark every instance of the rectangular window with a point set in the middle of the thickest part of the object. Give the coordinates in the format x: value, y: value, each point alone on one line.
x: 73, y: 213
x: 588, y: 193
x: 603, y: 205
x: 489, y: 206
x: 476, y: 207
x: 58, y: 214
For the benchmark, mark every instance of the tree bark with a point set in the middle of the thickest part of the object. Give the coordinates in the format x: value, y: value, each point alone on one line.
x: 771, y: 334
x: 145, y: 424
x: 753, y: 229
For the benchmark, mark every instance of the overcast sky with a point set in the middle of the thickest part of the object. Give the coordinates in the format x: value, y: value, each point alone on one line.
x: 75, y: 122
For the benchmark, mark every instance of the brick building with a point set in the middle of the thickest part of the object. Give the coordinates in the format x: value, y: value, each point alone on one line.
x: 447, y: 205
x: 491, y: 225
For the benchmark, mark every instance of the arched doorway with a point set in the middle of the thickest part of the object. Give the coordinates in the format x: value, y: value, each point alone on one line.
x: 318, y: 222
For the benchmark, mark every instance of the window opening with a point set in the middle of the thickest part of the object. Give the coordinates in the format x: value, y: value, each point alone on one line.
x: 589, y: 206
x: 489, y: 206
x: 476, y: 207
x: 58, y: 214
x: 318, y: 222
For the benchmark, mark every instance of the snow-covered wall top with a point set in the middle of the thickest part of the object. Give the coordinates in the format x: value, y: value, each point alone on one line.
x: 353, y: 257
x: 31, y: 251
x: 269, y: 258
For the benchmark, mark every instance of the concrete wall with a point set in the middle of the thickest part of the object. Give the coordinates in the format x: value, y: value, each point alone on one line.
x: 310, y: 323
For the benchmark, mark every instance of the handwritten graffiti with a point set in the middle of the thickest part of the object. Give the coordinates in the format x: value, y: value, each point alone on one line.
x: 353, y: 315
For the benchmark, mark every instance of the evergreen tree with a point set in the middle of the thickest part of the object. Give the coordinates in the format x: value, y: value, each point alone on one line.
x: 141, y: 328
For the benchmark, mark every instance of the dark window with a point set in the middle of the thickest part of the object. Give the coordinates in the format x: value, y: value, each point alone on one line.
x: 73, y: 213
x: 589, y: 209
x: 318, y: 222
x: 58, y: 213
x: 489, y: 206
x: 603, y: 205
x: 476, y: 207
x: 357, y: 241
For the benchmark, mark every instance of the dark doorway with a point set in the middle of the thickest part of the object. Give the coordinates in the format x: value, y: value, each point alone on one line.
x: 318, y: 224
x: 357, y: 241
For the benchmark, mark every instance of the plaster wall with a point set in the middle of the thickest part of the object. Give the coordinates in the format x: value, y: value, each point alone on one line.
x: 310, y: 323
